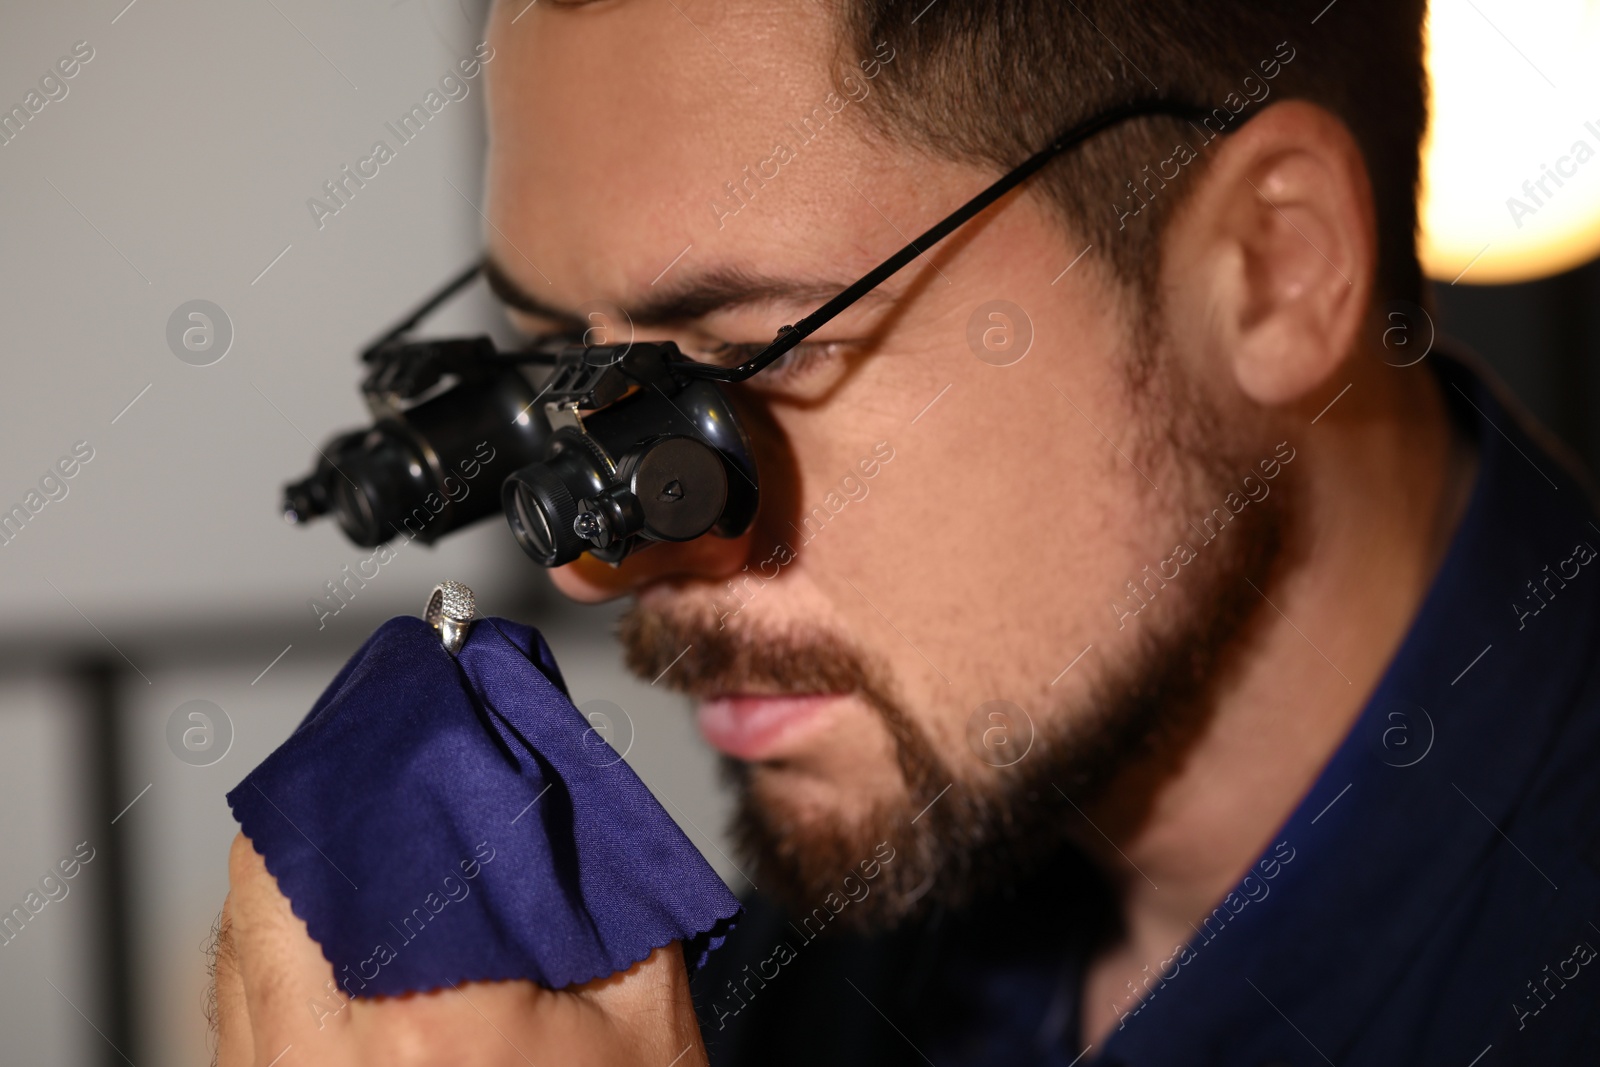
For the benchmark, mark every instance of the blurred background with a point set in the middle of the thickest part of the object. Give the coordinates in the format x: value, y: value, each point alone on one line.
x: 176, y: 164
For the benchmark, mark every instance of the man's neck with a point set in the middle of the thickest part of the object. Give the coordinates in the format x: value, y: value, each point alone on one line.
x: 1386, y: 478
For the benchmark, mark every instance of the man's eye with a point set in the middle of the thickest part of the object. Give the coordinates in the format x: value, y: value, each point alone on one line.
x: 793, y: 365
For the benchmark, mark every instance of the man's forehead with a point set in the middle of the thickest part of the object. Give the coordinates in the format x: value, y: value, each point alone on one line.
x: 664, y: 181
x: 693, y: 295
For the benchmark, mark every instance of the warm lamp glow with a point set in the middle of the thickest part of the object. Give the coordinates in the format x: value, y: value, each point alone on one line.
x: 1511, y: 167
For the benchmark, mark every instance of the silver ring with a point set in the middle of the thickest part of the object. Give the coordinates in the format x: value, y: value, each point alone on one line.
x: 450, y: 611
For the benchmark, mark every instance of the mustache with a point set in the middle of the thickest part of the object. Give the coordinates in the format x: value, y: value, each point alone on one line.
x: 692, y: 655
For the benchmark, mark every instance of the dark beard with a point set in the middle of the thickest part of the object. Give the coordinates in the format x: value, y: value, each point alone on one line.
x: 995, y: 825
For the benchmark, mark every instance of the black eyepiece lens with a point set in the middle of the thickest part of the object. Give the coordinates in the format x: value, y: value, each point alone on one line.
x: 540, y: 508
x: 532, y: 524
x: 305, y: 500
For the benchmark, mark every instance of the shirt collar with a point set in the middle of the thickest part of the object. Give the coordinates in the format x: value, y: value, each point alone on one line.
x: 1409, y: 803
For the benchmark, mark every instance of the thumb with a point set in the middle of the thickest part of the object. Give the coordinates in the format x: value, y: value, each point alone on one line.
x: 287, y: 982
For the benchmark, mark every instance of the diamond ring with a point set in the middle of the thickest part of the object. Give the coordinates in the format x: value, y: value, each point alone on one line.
x: 450, y: 611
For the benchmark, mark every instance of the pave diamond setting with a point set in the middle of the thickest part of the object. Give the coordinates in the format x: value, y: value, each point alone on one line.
x: 450, y: 611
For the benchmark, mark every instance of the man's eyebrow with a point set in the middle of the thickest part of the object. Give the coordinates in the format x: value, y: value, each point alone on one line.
x: 693, y: 296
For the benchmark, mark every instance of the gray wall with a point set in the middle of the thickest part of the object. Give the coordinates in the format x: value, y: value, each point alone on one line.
x: 177, y: 167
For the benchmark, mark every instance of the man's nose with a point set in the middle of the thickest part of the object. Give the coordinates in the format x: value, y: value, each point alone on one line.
x: 709, y: 558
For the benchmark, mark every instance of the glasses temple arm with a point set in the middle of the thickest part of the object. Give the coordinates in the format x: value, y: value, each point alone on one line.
x: 790, y: 336
x: 405, y: 326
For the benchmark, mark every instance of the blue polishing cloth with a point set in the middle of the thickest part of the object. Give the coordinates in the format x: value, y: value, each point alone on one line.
x: 439, y: 819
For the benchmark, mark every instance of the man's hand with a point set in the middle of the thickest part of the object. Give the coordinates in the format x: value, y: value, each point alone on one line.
x: 276, y: 1003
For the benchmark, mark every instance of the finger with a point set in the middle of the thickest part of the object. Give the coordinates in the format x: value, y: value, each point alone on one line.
x: 649, y: 1006
x: 486, y: 1024
x: 228, y: 1013
x: 640, y: 1016
x: 288, y: 983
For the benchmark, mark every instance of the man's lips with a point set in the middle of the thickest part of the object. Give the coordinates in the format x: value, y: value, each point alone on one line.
x: 758, y: 726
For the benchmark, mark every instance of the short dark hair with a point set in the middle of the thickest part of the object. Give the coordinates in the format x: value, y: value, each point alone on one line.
x: 992, y: 81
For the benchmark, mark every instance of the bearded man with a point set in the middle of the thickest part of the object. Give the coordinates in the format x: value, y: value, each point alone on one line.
x: 1146, y: 652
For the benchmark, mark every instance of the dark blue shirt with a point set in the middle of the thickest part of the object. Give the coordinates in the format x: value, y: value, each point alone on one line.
x: 1434, y: 898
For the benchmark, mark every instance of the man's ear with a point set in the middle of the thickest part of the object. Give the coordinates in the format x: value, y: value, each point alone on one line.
x: 1273, y: 256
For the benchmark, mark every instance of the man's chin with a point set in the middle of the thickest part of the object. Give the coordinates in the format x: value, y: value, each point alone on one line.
x: 807, y: 833
x: 803, y: 801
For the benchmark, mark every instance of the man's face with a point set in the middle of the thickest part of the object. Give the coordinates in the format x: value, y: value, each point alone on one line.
x: 938, y: 531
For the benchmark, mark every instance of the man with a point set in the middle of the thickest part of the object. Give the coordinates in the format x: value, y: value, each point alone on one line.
x: 1141, y: 655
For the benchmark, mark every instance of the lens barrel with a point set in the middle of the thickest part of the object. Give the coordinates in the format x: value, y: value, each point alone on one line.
x: 653, y: 459
x: 541, y: 499
x: 429, y: 468
x: 308, y: 498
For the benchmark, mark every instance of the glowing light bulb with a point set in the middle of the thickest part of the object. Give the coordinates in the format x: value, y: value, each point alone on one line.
x: 1511, y: 165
